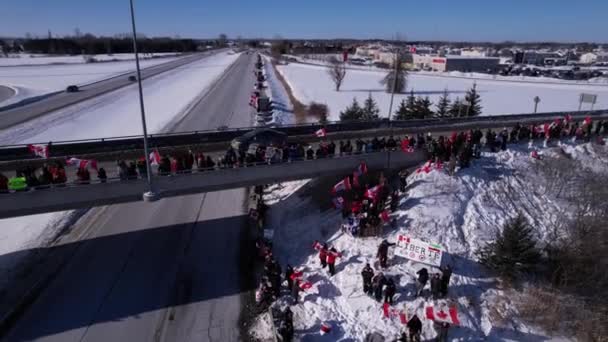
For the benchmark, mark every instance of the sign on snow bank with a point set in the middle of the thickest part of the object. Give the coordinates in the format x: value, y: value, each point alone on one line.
x: 419, y: 251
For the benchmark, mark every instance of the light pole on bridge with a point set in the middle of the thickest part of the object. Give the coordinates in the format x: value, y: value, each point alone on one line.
x: 150, y: 195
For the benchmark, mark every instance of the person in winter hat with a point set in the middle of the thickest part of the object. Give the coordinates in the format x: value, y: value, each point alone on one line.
x: 445, y: 279
x: 383, y: 252
x: 389, y: 291
x: 394, y: 201
x: 332, y: 255
x: 378, y: 283
x: 436, y: 286
x: 442, y: 331
x: 423, y: 277
x: 368, y: 275
x: 415, y: 328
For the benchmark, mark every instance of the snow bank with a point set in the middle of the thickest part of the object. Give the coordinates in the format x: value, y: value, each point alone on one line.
x: 461, y: 213
x: 312, y: 83
x: 23, y: 59
x: 282, y: 106
x: 117, y: 113
x: 30, y: 81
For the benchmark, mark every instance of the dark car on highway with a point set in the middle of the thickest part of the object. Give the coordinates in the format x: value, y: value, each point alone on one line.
x: 72, y: 89
x: 262, y: 137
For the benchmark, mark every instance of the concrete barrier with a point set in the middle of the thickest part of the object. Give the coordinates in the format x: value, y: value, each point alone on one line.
x: 113, y: 192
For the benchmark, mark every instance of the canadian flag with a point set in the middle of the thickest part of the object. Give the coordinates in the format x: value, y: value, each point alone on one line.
x: 82, y: 163
x: 372, y: 193
x: 317, y: 245
x: 305, y: 285
x: 587, y: 121
x: 154, y: 157
x: 392, y: 312
x: 39, y: 150
x: 321, y: 133
x: 439, y: 315
x: 405, y: 146
x: 361, y: 169
x: 325, y: 328
x: 384, y: 216
x: 343, y: 185
x: 412, y: 49
x: 426, y: 168
x: 296, y: 275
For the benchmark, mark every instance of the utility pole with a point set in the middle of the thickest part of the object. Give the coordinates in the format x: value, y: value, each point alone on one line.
x: 150, y: 195
x: 390, y: 107
x: 536, y: 102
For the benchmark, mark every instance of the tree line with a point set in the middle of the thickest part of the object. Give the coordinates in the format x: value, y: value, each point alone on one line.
x: 418, y: 107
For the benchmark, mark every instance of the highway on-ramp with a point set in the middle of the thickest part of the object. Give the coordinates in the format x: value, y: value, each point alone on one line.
x: 162, y: 271
x: 17, y: 114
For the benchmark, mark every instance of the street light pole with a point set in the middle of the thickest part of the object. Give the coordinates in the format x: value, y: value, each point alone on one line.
x: 390, y: 107
x: 150, y: 195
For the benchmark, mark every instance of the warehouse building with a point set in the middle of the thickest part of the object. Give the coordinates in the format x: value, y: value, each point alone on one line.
x: 456, y: 63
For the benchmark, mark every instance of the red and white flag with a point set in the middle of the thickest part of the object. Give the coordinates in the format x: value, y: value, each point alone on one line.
x: 372, y: 193
x: 587, y: 121
x: 392, y: 312
x: 305, y: 285
x: 361, y: 169
x: 154, y: 157
x: 440, y: 315
x: 343, y: 185
x: 426, y: 168
x: 296, y: 275
x: 39, y: 150
x: 82, y: 163
x: 321, y: 133
x: 325, y: 328
x: 412, y: 49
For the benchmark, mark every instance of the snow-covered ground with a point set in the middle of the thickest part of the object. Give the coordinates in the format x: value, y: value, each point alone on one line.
x: 312, y: 83
x: 36, y: 80
x: 461, y: 213
x: 166, y: 96
x: 282, y: 106
x: 22, y: 59
x: 117, y: 113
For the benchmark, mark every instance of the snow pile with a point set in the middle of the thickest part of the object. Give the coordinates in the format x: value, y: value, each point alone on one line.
x: 30, y: 81
x: 23, y: 59
x: 312, y: 83
x: 281, y: 104
x: 460, y: 213
x: 117, y: 113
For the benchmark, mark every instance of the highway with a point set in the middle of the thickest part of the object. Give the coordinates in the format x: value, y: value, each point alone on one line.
x: 163, y: 271
x: 6, y: 93
x: 13, y: 116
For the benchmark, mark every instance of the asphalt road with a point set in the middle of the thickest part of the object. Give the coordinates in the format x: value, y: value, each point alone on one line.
x: 163, y: 271
x: 13, y: 116
x: 6, y: 93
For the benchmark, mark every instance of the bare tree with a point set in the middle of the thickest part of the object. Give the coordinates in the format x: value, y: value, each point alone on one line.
x: 337, y: 72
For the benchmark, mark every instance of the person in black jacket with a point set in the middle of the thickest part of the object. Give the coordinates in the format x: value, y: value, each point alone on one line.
x: 423, y: 277
x: 101, y: 174
x: 436, y: 286
x: 415, y: 328
x: 445, y: 279
x: 367, y: 274
x: 389, y: 291
x: 383, y: 252
x: 288, y: 273
x: 377, y: 283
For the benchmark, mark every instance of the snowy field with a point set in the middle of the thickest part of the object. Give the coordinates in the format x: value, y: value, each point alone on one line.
x: 460, y: 213
x: 29, y: 81
x: 23, y: 59
x: 312, y: 83
x: 117, y: 113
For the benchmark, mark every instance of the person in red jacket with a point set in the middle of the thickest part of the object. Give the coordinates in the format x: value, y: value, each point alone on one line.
x: 331, y: 260
x: 322, y: 248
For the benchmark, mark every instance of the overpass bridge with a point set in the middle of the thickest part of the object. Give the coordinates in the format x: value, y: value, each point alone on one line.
x: 75, y: 196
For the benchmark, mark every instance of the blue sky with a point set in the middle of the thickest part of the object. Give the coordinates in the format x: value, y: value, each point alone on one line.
x: 472, y: 20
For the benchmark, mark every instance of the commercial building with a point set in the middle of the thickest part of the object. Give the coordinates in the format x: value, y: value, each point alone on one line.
x: 456, y: 63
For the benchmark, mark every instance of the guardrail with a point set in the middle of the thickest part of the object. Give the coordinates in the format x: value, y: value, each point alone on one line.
x: 113, y: 191
x: 218, y: 139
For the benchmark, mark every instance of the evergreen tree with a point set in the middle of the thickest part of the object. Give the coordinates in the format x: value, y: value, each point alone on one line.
x: 401, y: 112
x: 473, y: 102
x: 443, y: 106
x: 410, y: 105
x: 514, y: 252
x: 352, y: 112
x: 456, y: 109
x: 370, y: 109
x: 423, y: 108
x: 396, y: 69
